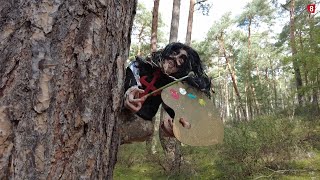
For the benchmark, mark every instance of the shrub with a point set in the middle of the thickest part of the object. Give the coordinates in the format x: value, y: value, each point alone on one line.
x: 251, y: 147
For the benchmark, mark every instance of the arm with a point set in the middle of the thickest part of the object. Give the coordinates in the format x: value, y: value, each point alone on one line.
x: 131, y: 99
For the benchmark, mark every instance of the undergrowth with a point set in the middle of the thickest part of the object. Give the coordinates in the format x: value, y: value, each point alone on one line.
x: 269, y: 147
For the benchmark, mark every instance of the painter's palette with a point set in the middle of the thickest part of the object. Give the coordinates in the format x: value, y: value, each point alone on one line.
x: 206, y: 124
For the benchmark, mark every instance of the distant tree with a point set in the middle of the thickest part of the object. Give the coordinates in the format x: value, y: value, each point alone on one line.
x: 190, y: 21
x: 142, y: 32
x: 175, y: 21
x: 302, y: 37
x: 294, y: 52
x: 256, y: 12
x: 218, y: 47
x: 151, y: 142
x: 154, y: 29
x: 170, y: 145
x: 205, y: 7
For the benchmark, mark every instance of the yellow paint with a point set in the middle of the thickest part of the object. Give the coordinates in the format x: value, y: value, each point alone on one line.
x: 202, y: 102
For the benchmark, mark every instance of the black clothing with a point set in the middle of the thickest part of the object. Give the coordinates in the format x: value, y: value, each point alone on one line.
x: 142, y: 73
x: 148, y: 76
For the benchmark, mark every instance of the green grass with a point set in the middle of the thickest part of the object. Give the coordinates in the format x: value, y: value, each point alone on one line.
x: 134, y: 164
x: 199, y: 162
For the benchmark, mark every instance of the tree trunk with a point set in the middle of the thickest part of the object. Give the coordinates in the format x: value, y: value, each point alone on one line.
x: 227, y: 98
x: 258, y: 105
x: 294, y: 52
x: 307, y: 94
x: 154, y: 28
x: 268, y: 102
x: 171, y: 147
x: 232, y: 73
x: 62, y: 71
x: 175, y: 21
x: 190, y: 21
x: 315, y: 50
x: 247, y: 101
x: 151, y: 141
x: 233, y: 105
x: 274, y: 83
x: 249, y: 93
x: 140, y: 36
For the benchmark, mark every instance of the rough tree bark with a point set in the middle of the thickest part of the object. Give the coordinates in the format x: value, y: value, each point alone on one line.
x: 175, y: 21
x: 154, y: 28
x: 172, y: 149
x: 151, y: 142
x: 316, y: 49
x: 61, y: 74
x: 171, y: 146
x: 190, y: 21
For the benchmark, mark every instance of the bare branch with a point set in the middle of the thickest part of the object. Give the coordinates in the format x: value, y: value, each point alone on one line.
x: 200, y: 1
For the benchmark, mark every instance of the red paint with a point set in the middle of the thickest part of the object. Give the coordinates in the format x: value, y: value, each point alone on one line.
x: 174, y: 94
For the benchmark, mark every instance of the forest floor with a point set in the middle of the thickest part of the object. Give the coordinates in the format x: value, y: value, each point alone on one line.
x: 134, y: 163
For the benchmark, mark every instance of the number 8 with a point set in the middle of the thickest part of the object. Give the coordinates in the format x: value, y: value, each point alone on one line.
x: 311, y: 8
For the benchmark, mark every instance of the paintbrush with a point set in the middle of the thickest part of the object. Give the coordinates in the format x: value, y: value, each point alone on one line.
x: 190, y: 74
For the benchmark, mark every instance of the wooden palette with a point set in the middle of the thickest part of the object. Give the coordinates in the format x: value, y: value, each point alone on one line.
x: 206, y: 124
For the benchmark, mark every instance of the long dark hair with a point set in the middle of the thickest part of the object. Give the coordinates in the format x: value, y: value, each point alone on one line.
x: 193, y: 63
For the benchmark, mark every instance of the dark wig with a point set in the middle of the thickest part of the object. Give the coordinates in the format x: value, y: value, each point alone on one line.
x: 193, y: 63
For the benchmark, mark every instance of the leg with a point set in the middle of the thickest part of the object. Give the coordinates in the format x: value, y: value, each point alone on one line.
x: 135, y: 129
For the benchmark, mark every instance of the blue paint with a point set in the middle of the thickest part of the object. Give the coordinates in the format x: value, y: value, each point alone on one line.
x: 192, y: 96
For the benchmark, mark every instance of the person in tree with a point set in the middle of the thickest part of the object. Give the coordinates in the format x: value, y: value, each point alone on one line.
x: 143, y: 76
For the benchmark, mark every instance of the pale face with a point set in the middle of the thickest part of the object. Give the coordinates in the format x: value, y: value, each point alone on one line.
x: 176, y: 59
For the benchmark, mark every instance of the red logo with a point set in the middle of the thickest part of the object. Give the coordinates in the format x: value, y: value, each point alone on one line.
x: 311, y: 8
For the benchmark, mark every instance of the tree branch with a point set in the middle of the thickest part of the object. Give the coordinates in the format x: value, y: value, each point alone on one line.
x: 199, y: 2
x: 284, y: 5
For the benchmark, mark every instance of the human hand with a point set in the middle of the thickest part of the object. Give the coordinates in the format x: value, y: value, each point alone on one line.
x: 132, y: 100
x: 167, y: 125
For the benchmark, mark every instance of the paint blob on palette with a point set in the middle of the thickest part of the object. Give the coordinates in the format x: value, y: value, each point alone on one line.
x: 174, y: 94
x: 202, y: 102
x: 182, y: 91
x: 192, y: 96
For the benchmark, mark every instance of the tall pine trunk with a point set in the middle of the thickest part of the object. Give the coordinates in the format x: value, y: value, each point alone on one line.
x: 154, y: 28
x: 296, y: 67
x: 315, y: 51
x: 175, y: 21
x: 232, y: 74
x: 171, y: 146
x: 61, y: 80
x: 172, y: 149
x: 190, y: 21
x: 152, y: 141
